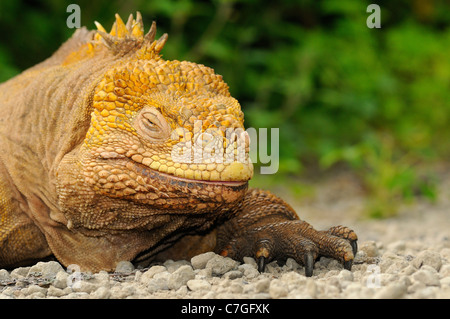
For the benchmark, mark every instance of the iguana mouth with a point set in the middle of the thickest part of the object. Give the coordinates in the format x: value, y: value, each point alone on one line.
x: 187, y: 180
x: 148, y: 172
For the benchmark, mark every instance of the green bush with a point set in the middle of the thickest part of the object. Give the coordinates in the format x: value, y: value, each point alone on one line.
x: 376, y: 100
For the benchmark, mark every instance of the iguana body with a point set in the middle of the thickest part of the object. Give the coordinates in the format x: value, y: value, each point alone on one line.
x: 91, y: 171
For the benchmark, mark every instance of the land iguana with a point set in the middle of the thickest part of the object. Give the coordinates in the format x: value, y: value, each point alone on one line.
x: 98, y: 163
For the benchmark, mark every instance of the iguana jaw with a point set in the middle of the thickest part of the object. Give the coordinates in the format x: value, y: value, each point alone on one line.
x: 148, y: 172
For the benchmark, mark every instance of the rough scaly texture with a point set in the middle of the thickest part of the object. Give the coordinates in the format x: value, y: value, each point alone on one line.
x: 112, y: 153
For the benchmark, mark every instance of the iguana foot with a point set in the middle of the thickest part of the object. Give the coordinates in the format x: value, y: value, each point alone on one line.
x: 268, y: 229
x: 293, y: 239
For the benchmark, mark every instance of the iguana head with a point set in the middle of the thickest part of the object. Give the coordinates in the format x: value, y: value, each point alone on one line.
x: 163, y: 132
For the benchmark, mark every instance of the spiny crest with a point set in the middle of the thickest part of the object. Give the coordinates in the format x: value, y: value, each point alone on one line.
x: 129, y: 37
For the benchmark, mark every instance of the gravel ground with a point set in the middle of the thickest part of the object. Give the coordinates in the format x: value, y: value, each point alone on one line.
x: 403, y: 257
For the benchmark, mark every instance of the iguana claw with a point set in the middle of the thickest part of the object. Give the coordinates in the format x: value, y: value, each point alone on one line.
x: 293, y: 239
x: 261, y: 264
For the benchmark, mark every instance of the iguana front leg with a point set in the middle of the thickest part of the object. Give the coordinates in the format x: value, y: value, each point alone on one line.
x: 267, y: 228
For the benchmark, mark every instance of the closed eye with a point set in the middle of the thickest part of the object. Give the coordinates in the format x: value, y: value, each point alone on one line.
x: 152, y: 124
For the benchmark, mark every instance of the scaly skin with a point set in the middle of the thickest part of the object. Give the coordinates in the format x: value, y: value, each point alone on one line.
x: 97, y: 164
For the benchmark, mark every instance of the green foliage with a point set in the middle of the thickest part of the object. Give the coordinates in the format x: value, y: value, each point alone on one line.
x: 374, y: 99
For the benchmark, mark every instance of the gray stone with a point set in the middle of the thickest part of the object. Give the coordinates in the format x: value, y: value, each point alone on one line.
x: 262, y: 285
x: 291, y: 264
x: 236, y: 288
x: 277, y: 289
x: 220, y: 265
x: 250, y: 261
x: 46, y: 269
x: 392, y: 291
x: 426, y: 293
x: 248, y: 271
x: 445, y: 281
x: 52, y: 291
x: 370, y: 248
x: 124, y: 266
x: 200, y: 261
x: 293, y: 278
x: 4, y: 275
x: 160, y: 281
x: 427, y: 277
x: 101, y: 279
x: 180, y: 277
x: 311, y: 287
x: 20, y: 272
x: 345, y: 275
x: 61, y: 279
x: 397, y: 246
x: 101, y: 293
x: 174, y: 265
x: 84, y: 286
x: 150, y: 273
x: 389, y: 259
x: 445, y: 271
x: 32, y: 289
x: 428, y: 257
x: 77, y: 295
x: 198, y: 284
x: 233, y: 274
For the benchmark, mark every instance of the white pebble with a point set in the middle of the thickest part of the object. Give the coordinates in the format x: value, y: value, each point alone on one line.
x: 370, y: 248
x: 262, y: 285
x: 445, y: 271
x: 55, y: 292
x: 200, y: 261
x: 445, y: 281
x: 84, y: 286
x: 428, y: 257
x: 311, y: 287
x: 392, y: 291
x: 159, y: 282
x: 180, y: 277
x: 124, y: 266
x: 277, y: 289
x: 198, y: 284
x: 174, y: 265
x: 20, y: 272
x: 248, y: 271
x: 101, y: 293
x: 426, y: 277
x: 220, y: 265
x: 345, y: 275
x: 4, y: 275
x: 61, y: 279
x: 46, y: 269
x: 150, y: 273
x: 250, y: 261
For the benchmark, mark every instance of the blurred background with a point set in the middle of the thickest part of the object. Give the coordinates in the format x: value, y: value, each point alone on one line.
x: 374, y: 103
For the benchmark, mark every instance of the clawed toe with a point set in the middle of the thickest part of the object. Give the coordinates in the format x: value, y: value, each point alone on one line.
x: 309, y: 264
x: 294, y: 239
x: 261, y: 264
x: 354, y: 244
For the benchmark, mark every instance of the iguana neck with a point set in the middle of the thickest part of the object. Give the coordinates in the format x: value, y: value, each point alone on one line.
x: 50, y: 106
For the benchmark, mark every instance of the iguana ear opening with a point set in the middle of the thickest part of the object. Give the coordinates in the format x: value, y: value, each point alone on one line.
x: 152, y: 125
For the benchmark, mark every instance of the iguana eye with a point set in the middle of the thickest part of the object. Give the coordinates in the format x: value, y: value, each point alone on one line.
x: 150, y: 121
x: 152, y: 124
